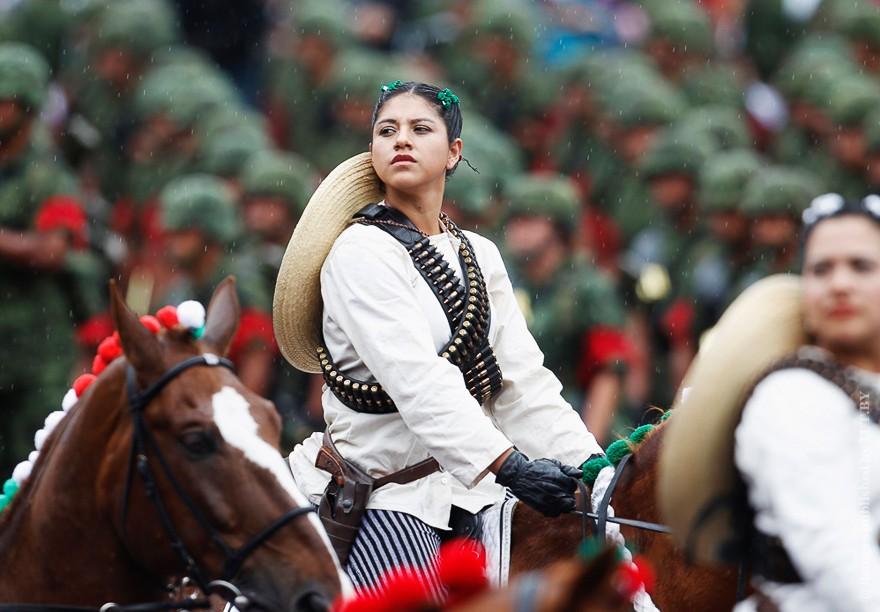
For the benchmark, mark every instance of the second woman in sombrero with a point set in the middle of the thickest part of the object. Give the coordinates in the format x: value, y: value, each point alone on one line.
x: 434, y: 389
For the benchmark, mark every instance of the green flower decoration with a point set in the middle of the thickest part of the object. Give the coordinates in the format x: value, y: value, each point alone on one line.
x: 446, y: 98
x: 391, y: 85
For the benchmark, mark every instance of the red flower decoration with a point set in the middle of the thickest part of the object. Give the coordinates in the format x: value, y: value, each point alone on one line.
x: 151, y: 323
x: 98, y: 365
x: 633, y: 576
x: 82, y: 383
x: 461, y: 567
x: 167, y: 316
x: 109, y: 349
x: 65, y: 213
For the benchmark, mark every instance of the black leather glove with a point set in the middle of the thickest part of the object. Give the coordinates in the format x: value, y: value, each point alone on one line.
x: 546, y: 485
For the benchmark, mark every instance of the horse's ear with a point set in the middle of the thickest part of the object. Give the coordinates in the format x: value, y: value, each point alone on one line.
x: 223, y: 314
x: 140, y: 346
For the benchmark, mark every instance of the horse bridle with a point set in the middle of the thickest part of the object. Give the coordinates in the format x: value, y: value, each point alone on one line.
x: 143, y: 444
x: 601, y: 514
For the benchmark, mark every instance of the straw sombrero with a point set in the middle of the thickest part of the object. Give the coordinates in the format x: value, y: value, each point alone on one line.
x: 698, y: 490
x: 297, y: 307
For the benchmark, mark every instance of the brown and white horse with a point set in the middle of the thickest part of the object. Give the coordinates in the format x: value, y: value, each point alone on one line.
x: 538, y: 541
x: 182, y: 453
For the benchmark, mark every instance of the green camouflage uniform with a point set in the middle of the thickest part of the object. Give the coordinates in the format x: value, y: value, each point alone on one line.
x: 631, y: 94
x: 140, y: 28
x: 37, y: 193
x: 661, y: 257
x: 717, y: 265
x: 304, y: 104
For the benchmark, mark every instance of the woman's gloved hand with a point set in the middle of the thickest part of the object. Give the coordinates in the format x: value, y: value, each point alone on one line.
x: 546, y: 485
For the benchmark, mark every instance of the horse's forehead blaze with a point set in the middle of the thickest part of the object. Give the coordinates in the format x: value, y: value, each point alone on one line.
x: 239, y: 428
x: 233, y: 417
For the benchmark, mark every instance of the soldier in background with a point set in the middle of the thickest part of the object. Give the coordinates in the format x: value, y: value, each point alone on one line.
x: 41, y: 224
x: 774, y: 200
x: 275, y: 188
x: 721, y: 256
x: 661, y: 257
x: 201, y: 222
x: 571, y: 308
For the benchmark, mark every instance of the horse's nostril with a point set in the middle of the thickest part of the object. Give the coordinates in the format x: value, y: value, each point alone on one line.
x: 312, y: 601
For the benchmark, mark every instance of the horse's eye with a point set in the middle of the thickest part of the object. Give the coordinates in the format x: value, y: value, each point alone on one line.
x: 198, y: 444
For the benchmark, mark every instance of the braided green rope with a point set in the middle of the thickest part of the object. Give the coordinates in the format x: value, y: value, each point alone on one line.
x: 617, y: 450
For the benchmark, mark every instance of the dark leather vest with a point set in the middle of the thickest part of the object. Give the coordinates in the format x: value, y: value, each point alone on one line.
x: 768, y: 556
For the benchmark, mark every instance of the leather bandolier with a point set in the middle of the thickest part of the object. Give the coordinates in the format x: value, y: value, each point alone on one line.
x: 466, y: 308
x: 768, y: 557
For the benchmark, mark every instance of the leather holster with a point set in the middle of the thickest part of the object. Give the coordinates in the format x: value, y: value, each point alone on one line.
x: 345, y: 499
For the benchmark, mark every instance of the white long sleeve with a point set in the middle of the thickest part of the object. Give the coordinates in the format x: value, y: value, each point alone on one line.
x: 810, y: 460
x: 382, y: 322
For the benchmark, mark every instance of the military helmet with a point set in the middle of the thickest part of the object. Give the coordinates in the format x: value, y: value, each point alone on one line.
x: 723, y: 179
x: 779, y: 190
x: 678, y: 151
x: 139, y: 26
x: 871, y: 127
x: 513, y: 20
x: 852, y: 98
x: 683, y: 24
x: 282, y: 175
x: 24, y: 75
x: 202, y: 202
x: 552, y: 196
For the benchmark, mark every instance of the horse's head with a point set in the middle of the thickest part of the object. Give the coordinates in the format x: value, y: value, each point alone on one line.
x: 211, y: 447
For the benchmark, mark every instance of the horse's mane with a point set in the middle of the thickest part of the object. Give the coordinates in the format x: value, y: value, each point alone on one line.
x: 637, y: 439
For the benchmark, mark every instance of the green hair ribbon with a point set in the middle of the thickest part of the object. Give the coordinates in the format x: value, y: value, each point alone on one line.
x: 446, y: 98
x: 391, y: 85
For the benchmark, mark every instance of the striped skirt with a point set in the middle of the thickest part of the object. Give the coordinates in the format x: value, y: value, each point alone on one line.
x: 387, y: 540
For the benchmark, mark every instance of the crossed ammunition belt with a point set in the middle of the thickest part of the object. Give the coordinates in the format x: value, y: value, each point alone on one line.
x: 466, y: 307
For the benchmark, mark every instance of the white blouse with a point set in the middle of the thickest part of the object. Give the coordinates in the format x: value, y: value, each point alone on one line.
x: 382, y: 322
x: 812, y: 465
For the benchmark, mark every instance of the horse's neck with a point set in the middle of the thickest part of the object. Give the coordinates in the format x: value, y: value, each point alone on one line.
x: 57, y: 545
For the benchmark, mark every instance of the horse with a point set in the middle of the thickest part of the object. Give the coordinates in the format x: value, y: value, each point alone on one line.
x: 166, y: 466
x: 537, y: 541
x: 570, y: 585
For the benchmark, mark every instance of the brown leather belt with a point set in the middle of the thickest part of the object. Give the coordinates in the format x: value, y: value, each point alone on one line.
x: 331, y: 461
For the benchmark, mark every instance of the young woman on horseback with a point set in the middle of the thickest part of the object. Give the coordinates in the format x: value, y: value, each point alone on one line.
x: 808, y: 444
x: 424, y: 352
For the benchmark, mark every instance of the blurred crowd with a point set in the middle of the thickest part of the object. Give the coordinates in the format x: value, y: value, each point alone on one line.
x: 639, y: 163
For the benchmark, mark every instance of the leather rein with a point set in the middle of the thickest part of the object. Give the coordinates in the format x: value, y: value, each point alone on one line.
x: 600, y: 516
x: 143, y: 447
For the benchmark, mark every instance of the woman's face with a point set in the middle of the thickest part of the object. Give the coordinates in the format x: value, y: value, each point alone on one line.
x: 410, y: 146
x: 841, y: 284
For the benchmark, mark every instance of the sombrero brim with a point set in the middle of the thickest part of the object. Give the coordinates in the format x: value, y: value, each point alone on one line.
x: 297, y: 306
x: 697, y: 459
